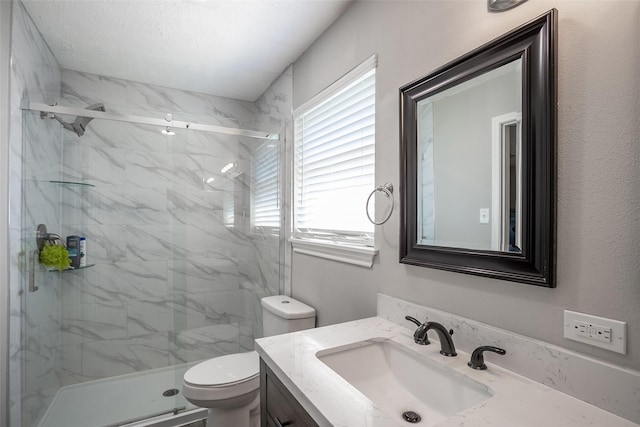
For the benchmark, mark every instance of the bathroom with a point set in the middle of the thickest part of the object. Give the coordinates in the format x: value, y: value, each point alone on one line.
x: 597, y: 219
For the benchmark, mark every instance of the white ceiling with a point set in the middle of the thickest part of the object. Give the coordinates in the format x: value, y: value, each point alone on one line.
x: 231, y: 48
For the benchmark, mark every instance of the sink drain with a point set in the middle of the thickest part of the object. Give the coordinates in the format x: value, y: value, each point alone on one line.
x: 170, y: 392
x: 411, y: 417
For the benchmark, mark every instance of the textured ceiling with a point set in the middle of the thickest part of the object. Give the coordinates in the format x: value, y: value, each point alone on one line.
x: 231, y: 48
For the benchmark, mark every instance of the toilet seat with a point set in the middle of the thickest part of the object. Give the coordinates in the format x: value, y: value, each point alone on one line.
x: 224, y: 377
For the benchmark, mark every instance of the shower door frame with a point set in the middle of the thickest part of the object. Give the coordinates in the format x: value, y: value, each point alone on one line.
x: 167, y: 121
x: 5, y: 103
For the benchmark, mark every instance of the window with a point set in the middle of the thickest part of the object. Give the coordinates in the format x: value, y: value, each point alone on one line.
x: 334, y: 162
x: 265, y: 173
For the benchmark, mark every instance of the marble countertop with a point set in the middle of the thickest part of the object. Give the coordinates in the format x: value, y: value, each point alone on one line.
x: 331, y: 401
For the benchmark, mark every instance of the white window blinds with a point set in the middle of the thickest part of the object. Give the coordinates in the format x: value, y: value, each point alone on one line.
x: 334, y: 161
x: 265, y: 173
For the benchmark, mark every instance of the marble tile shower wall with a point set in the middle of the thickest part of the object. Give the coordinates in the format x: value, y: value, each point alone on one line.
x: 178, y: 270
x: 34, y: 317
x: 273, y: 113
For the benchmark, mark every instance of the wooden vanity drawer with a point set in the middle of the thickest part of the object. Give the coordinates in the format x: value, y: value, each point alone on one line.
x: 278, y: 408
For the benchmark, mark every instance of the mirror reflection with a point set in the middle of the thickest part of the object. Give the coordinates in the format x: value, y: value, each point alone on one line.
x: 470, y: 174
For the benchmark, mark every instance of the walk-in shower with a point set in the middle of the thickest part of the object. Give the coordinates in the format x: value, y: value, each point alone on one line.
x: 180, y: 248
x: 179, y: 253
x: 177, y: 259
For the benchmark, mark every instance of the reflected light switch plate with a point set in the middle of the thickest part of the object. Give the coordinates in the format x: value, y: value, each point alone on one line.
x: 484, y: 216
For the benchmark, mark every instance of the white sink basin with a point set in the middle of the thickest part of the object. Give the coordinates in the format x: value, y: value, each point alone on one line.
x: 398, y: 381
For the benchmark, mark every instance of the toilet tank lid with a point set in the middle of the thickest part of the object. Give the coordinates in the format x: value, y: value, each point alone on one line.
x: 287, y: 307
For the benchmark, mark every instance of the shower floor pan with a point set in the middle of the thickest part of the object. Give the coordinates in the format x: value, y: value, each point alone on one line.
x: 126, y: 400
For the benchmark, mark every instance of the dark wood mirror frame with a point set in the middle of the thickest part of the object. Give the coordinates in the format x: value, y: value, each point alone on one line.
x: 536, y: 44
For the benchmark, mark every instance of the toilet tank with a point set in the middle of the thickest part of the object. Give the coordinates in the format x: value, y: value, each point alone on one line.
x: 281, y: 314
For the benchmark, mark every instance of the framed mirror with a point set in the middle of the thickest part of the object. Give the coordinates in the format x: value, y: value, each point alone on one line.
x: 478, y: 141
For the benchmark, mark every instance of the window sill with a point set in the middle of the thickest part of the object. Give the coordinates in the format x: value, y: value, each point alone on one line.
x: 362, y: 256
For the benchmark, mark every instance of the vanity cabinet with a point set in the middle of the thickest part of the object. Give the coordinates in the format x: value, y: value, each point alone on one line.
x: 278, y: 407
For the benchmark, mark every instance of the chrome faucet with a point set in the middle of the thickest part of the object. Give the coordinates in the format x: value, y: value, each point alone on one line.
x: 447, y: 348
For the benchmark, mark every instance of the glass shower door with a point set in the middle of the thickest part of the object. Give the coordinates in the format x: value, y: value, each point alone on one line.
x: 97, y: 339
x: 225, y: 211
x: 183, y: 239
x: 41, y: 293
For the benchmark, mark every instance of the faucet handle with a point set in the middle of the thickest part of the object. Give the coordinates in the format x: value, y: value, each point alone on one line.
x: 414, y: 320
x: 477, y: 357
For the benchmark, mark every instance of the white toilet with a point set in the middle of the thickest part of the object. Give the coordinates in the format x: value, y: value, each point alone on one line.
x: 230, y: 385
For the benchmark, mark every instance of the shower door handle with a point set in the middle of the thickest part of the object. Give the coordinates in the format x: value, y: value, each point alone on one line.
x: 32, y: 270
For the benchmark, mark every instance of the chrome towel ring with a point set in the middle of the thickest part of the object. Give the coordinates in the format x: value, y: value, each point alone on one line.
x: 387, y: 190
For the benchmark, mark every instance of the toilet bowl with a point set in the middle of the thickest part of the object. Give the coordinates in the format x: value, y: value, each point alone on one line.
x: 229, y: 386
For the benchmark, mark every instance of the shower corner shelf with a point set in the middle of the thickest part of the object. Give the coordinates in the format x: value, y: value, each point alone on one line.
x: 76, y: 183
x: 70, y: 269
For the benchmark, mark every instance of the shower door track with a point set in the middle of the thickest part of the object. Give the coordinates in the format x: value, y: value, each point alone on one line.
x: 165, y: 122
x: 170, y: 418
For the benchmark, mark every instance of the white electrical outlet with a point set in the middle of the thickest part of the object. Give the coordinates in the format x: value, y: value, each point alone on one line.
x: 593, y: 331
x: 597, y: 331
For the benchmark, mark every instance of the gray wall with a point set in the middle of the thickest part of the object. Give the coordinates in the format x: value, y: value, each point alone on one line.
x: 462, y: 158
x: 598, y: 176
